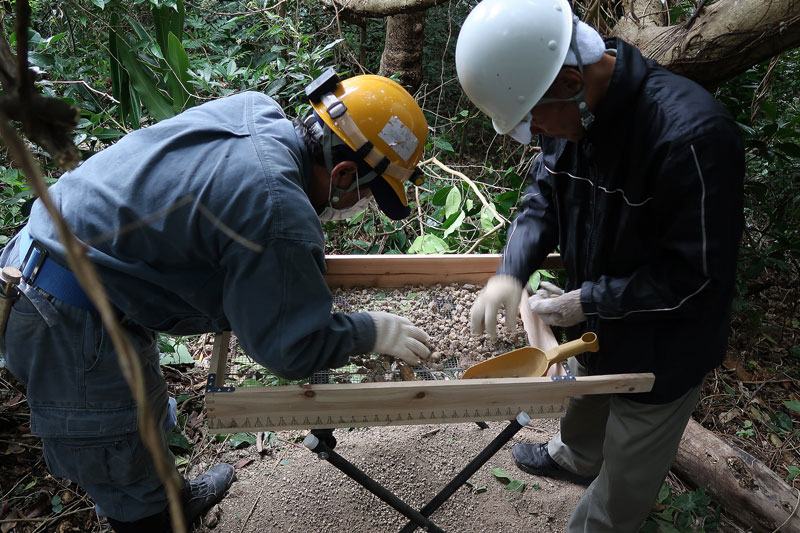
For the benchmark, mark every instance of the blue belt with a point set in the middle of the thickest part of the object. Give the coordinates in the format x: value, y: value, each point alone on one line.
x: 40, y: 271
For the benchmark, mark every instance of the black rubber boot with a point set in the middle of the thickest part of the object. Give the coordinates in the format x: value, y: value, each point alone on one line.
x: 157, y: 523
x: 535, y: 459
x: 206, y: 490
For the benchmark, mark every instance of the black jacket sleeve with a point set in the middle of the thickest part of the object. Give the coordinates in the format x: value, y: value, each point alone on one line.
x: 534, y: 232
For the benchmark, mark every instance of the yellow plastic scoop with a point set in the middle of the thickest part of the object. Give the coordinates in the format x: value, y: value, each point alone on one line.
x: 530, y: 362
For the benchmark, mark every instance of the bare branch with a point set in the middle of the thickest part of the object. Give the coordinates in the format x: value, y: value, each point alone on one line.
x: 380, y: 8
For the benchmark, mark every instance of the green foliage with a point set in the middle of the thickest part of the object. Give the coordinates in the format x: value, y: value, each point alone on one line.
x: 514, y: 485
x: 691, y: 511
x: 770, y: 125
x: 174, y: 351
x: 129, y: 64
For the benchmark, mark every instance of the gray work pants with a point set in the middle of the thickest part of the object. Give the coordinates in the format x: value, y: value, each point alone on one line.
x: 81, y: 405
x: 629, y: 445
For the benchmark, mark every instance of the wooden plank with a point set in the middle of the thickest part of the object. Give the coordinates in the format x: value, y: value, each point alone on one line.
x: 403, y: 403
x: 219, y: 356
x: 400, y: 270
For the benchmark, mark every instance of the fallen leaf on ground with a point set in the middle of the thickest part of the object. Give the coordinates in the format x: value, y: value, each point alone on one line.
x: 242, y: 463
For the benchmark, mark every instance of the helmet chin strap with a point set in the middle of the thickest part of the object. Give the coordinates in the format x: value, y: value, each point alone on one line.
x: 586, y: 116
x: 334, y: 193
x: 329, y: 141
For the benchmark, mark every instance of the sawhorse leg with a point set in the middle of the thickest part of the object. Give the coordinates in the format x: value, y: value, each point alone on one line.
x: 318, y: 442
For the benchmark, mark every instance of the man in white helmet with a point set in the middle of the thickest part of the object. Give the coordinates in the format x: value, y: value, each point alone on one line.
x: 639, y: 184
x: 206, y: 222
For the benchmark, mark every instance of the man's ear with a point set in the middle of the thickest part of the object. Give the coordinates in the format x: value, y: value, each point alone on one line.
x: 567, y: 84
x: 344, y: 173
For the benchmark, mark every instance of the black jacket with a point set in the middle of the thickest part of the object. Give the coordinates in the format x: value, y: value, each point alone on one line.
x: 647, y: 211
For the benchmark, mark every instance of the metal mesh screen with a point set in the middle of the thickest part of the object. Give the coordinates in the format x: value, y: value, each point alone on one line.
x: 243, y: 371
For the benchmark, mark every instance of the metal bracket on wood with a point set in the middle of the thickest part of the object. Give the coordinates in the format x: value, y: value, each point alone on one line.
x: 219, y: 363
x: 211, y: 385
x: 569, y: 377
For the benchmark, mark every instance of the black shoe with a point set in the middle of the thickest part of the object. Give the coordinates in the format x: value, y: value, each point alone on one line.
x: 206, y: 490
x: 535, y: 459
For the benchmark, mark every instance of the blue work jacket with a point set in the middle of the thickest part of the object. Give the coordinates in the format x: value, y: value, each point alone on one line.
x: 202, y: 223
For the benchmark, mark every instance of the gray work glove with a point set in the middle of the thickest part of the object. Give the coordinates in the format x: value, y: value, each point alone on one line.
x: 397, y: 336
x: 501, y: 290
x: 556, y: 308
x: 546, y: 290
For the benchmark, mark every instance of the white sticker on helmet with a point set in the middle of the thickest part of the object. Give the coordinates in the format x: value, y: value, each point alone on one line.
x: 399, y: 137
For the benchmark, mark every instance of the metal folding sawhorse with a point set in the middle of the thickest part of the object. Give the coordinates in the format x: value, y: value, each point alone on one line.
x: 321, y: 442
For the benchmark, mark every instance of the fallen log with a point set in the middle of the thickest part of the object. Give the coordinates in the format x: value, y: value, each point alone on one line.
x: 748, y: 491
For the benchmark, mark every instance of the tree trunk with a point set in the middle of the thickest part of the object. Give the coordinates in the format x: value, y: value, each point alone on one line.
x: 746, y: 488
x: 724, y: 40
x: 402, y: 53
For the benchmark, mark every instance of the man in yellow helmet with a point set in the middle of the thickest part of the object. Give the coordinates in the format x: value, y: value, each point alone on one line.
x: 205, y: 222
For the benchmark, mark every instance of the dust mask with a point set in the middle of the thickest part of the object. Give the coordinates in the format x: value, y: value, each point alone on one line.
x: 330, y: 214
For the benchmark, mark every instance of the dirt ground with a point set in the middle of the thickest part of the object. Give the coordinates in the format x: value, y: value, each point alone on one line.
x: 288, y: 488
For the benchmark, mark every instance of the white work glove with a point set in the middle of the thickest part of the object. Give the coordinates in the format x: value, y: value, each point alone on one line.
x: 397, y: 336
x: 501, y: 290
x: 556, y: 308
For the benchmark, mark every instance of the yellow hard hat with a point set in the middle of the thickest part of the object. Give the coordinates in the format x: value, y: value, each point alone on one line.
x: 381, y: 122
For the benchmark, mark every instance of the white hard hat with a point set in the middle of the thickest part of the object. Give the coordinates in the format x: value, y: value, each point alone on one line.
x: 509, y: 52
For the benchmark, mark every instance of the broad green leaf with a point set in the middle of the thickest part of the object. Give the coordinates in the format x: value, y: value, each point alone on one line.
x: 99, y: 3
x: 440, y: 196
x: 487, y: 219
x: 790, y: 149
x: 534, y: 280
x: 141, y: 33
x: 178, y: 440
x: 176, y: 25
x: 455, y: 225
x: 178, y: 82
x: 240, y: 440
x: 107, y: 134
x: 794, y: 405
x: 155, y: 102
x: 442, y: 144
x: 119, y: 76
x: 453, y: 202
x: 512, y: 484
x: 516, y: 485
x: 793, y: 471
x: 180, y: 356
x: 428, y: 244
x: 500, y: 473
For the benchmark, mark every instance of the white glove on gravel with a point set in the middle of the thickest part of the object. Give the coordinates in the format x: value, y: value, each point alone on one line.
x: 557, y: 309
x: 501, y: 290
x: 397, y: 336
